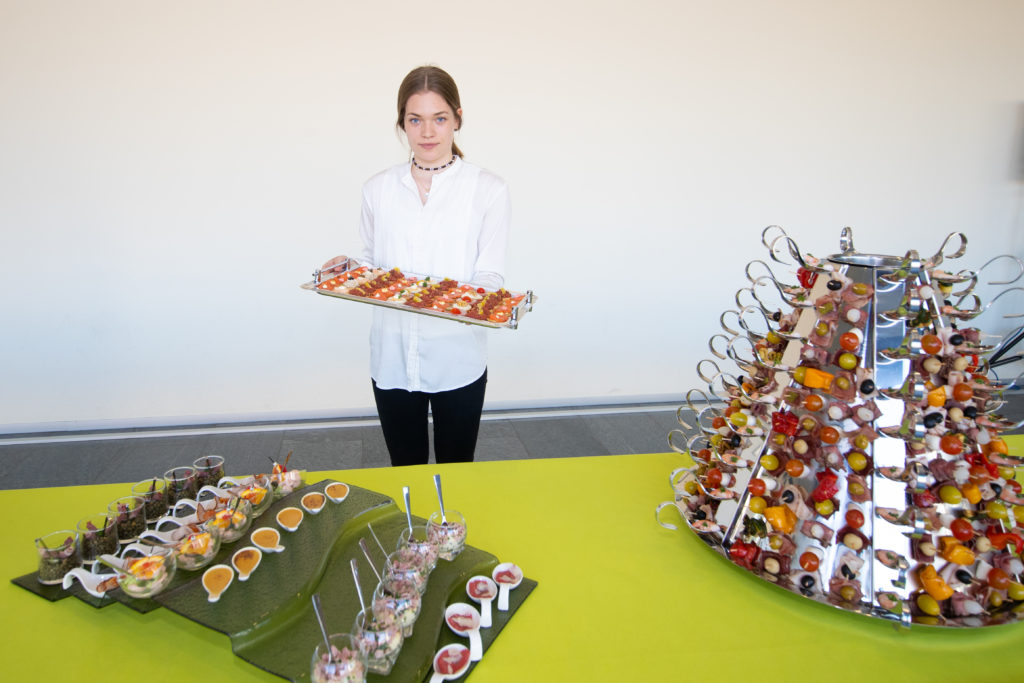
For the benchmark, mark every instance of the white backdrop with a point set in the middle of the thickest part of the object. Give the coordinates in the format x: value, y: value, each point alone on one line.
x: 170, y: 173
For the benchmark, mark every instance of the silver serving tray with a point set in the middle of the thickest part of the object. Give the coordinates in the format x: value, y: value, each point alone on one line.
x: 524, y: 306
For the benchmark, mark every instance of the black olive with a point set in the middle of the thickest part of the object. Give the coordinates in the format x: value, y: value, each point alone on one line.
x: 963, y: 576
x: 956, y: 339
x: 835, y: 285
x: 932, y: 420
x: 777, y: 316
x: 807, y: 592
x: 971, y: 412
x: 788, y: 497
x: 700, y: 514
x: 867, y: 387
x: 848, y: 573
x: 735, y: 441
x: 996, y: 489
x: 807, y: 581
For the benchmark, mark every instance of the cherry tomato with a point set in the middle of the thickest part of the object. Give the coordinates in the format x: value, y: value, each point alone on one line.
x: 963, y: 392
x: 830, y: 435
x: 718, y: 422
x: 962, y: 530
x: 713, y: 478
x: 998, y: 579
x: 813, y: 402
x: 855, y: 518
x: 849, y: 341
x: 794, y: 467
x: 931, y: 344
x: 480, y: 290
x: 809, y: 561
x: 757, y: 487
x: 951, y: 444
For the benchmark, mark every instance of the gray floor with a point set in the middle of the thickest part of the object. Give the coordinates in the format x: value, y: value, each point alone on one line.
x: 96, y: 458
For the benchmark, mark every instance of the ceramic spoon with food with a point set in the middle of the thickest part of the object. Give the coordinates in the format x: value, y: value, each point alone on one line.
x: 464, y: 621
x: 482, y: 590
x: 450, y: 662
x: 508, y: 576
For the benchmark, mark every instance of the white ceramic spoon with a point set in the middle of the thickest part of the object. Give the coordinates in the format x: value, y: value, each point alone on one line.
x: 508, y: 576
x: 482, y: 590
x: 464, y: 621
x: 450, y: 662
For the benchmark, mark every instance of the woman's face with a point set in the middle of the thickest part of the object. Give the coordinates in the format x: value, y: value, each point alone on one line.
x: 430, y: 127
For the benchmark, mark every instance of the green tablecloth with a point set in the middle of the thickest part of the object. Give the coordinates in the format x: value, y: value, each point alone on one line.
x: 620, y: 598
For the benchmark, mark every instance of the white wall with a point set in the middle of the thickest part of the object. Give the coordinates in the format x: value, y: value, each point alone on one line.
x: 170, y: 173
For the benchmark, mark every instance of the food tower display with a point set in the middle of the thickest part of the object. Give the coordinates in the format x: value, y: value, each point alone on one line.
x: 855, y: 457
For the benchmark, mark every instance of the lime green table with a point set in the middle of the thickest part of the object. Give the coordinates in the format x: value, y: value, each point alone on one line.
x: 619, y: 597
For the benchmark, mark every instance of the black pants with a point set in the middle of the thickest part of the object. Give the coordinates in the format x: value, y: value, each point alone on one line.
x: 403, y: 417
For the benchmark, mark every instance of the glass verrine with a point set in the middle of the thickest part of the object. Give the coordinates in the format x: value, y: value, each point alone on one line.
x: 143, y: 576
x: 255, y: 489
x: 209, y: 470
x: 419, y: 541
x: 449, y: 535
x: 380, y: 639
x: 181, y: 483
x: 130, y: 514
x: 402, y: 599
x: 406, y: 565
x: 197, y: 545
x: 345, y: 664
x: 59, y: 553
x: 97, y: 535
x: 154, y: 493
x: 233, y: 520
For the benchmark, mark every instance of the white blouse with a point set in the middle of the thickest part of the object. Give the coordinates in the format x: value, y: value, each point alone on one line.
x: 460, y: 232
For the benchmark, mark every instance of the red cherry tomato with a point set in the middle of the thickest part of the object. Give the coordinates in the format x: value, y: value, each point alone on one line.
x: 794, y: 467
x: 931, y: 344
x: 813, y: 402
x: 809, y: 561
x: 718, y: 422
x: 480, y: 290
x: 848, y: 341
x: 855, y: 518
x: 713, y: 478
x: 998, y: 579
x: 962, y: 530
x: 830, y: 435
x: 951, y: 444
x: 963, y: 392
x: 757, y: 487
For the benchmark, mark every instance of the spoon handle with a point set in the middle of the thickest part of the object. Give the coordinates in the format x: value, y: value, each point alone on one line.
x: 440, y: 498
x: 318, y: 611
x: 366, y: 553
x: 359, y: 589
x: 408, y: 510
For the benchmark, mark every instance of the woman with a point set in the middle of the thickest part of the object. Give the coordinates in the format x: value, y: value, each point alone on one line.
x: 433, y: 215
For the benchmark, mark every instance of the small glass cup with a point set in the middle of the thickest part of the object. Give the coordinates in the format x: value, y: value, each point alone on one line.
x: 145, y: 576
x: 419, y: 542
x: 209, y: 470
x: 233, y: 520
x: 255, y: 489
x: 59, y: 553
x: 346, y: 664
x: 196, y: 547
x: 97, y: 535
x: 400, y: 598
x: 406, y: 565
x: 130, y: 514
x: 450, y: 536
x: 379, y: 639
x: 154, y: 493
x: 181, y: 483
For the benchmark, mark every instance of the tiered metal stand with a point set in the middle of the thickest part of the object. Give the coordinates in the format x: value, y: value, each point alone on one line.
x: 855, y: 457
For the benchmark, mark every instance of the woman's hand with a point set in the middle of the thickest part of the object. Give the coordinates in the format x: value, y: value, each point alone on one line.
x: 335, y: 265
